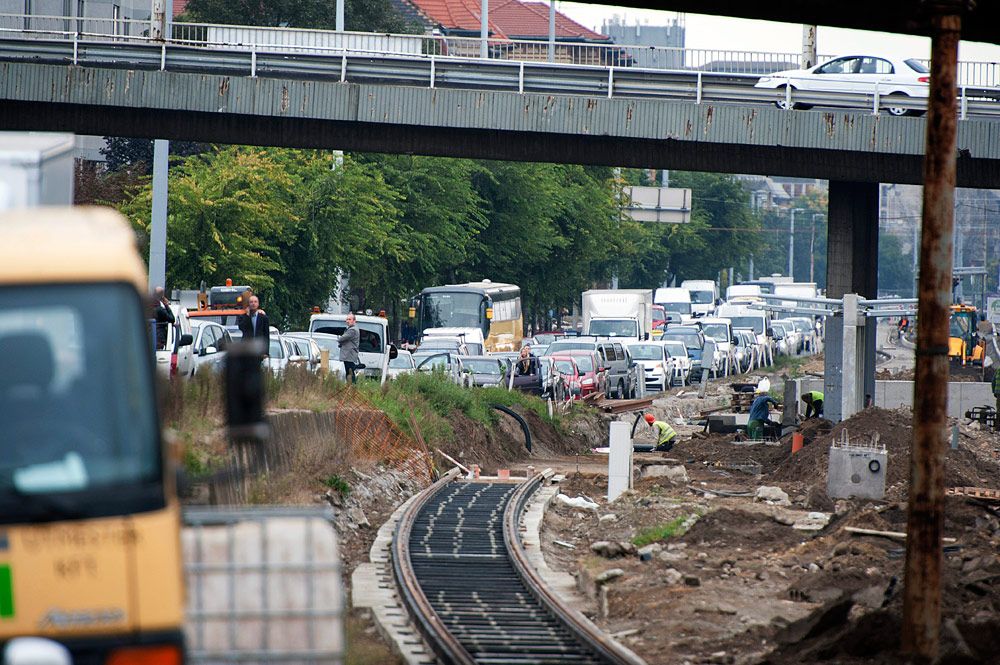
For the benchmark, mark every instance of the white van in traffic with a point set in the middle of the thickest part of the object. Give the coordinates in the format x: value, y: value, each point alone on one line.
x: 704, y: 294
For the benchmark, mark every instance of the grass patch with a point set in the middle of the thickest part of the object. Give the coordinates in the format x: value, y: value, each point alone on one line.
x: 791, y: 364
x: 660, y: 532
x: 338, y: 485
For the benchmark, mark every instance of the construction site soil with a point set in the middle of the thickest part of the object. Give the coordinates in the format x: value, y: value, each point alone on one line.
x: 744, y: 584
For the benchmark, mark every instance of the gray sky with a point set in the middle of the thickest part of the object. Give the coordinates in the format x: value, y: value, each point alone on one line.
x: 716, y: 32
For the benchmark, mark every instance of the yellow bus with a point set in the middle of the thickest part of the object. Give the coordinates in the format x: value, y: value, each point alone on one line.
x: 90, y: 552
x: 490, y: 307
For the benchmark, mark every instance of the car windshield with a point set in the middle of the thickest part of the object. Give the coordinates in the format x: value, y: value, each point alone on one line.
x: 369, y: 334
x: 702, y: 297
x: 483, y: 366
x: 678, y: 307
x: 544, y: 338
x: 917, y: 66
x: 801, y: 326
x: 646, y: 351
x: 584, y: 363
x: 756, y: 323
x: 675, y: 349
x: 276, y: 350
x: 402, y: 361
x: 717, y: 331
x: 431, y: 360
x: 432, y: 343
x: 77, y: 398
x: 556, y: 347
x: 328, y: 343
x: 613, y: 328
x: 564, y: 366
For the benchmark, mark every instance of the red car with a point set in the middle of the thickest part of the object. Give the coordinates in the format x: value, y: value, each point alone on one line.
x: 594, y: 376
x: 570, y: 373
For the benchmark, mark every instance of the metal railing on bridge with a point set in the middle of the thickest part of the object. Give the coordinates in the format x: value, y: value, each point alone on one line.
x: 303, y: 40
x: 703, y: 76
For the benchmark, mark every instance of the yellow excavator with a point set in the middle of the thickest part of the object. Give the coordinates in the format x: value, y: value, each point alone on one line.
x: 965, y: 344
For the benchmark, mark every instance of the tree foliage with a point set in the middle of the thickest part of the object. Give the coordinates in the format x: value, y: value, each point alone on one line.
x: 809, y: 242
x: 359, y: 15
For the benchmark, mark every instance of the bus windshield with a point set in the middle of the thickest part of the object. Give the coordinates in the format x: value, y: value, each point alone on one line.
x: 453, y: 310
x: 76, y: 390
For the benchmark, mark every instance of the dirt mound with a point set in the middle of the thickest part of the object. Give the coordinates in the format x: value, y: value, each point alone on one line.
x: 732, y: 527
x: 965, y: 466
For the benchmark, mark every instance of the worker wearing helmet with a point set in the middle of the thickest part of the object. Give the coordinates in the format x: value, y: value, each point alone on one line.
x: 760, y: 412
x: 814, y: 403
x: 665, y: 433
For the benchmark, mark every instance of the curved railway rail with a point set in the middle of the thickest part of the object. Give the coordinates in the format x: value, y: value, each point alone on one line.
x: 465, y: 577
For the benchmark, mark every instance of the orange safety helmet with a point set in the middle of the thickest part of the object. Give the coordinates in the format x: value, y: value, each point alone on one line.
x: 650, y: 418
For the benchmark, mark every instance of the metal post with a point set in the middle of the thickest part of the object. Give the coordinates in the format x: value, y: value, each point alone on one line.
x: 808, y: 46
x: 158, y: 226
x: 158, y: 20
x: 484, y: 29
x: 552, y: 30
x: 812, y: 250
x: 339, y: 20
x: 791, y: 245
x: 921, y: 630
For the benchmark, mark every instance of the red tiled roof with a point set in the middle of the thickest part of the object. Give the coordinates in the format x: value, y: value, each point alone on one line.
x: 179, y: 6
x: 531, y: 20
x: 508, y: 18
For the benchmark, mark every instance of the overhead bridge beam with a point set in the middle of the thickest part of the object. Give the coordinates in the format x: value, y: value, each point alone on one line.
x: 488, y: 124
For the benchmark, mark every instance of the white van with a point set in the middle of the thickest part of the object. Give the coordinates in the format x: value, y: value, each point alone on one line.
x: 759, y: 320
x: 676, y: 300
x: 704, y: 294
x: 373, y: 346
x: 471, y: 337
x: 721, y: 330
x: 176, y: 358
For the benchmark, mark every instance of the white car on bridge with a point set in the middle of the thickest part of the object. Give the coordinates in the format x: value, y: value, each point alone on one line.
x: 895, y: 79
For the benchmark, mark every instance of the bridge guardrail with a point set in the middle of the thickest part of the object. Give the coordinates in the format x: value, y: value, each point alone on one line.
x: 434, y: 71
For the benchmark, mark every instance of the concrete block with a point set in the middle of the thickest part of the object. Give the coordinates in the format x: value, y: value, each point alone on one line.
x: 857, y: 471
x: 619, y: 460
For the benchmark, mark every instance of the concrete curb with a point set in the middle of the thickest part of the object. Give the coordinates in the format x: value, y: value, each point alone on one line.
x: 562, y: 583
x: 374, y: 587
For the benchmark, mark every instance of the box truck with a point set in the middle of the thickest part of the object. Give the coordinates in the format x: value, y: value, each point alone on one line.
x: 626, y: 313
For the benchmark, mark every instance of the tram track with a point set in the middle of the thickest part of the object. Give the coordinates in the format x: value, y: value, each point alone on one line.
x: 465, y: 578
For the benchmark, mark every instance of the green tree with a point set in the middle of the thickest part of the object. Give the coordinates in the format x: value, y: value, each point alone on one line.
x: 895, y: 268
x: 809, y: 243
x: 359, y: 15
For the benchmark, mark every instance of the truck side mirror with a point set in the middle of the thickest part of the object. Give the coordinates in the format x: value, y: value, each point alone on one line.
x: 245, y: 393
x: 185, y: 340
x: 393, y: 352
x: 770, y: 332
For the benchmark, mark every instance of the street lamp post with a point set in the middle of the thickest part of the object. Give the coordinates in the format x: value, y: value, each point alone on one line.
x: 791, y: 243
x: 812, y: 248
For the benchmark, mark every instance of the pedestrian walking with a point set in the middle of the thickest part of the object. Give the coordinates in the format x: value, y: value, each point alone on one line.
x: 349, y: 348
x: 255, y: 325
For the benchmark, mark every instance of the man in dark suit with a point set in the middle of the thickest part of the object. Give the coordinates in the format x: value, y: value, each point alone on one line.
x: 164, y: 317
x: 254, y: 324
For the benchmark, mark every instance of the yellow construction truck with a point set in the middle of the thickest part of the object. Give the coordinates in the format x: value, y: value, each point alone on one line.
x: 90, y: 549
x: 965, y: 344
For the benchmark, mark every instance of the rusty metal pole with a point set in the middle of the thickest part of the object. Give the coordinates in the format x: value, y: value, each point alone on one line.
x: 922, y: 593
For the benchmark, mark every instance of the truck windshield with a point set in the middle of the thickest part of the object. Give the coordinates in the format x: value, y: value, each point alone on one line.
x: 702, y: 297
x: 613, y: 328
x: 370, y: 334
x: 453, y: 310
x: 679, y: 307
x: 80, y: 435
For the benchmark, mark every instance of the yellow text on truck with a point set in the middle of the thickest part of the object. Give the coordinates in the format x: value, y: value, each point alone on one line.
x: 89, y: 520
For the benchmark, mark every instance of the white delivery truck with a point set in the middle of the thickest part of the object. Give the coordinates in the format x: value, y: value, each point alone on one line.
x: 676, y: 300
x: 704, y: 294
x: 36, y: 169
x: 758, y: 320
x: 626, y: 313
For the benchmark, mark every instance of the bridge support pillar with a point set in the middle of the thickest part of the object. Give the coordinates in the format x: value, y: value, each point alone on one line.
x: 852, y: 267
